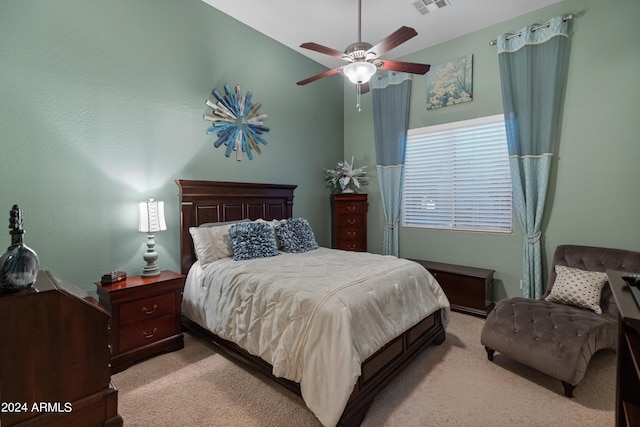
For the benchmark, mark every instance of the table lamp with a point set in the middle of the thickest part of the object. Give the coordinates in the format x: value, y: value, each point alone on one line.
x: 151, y: 219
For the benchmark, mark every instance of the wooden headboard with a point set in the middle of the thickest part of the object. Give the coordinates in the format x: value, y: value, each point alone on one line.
x: 218, y: 201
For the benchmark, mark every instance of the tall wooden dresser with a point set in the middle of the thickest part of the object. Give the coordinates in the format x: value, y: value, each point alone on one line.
x: 54, y: 357
x: 349, y: 221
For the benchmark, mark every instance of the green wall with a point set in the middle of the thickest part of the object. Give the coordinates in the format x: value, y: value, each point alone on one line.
x: 101, y: 106
x: 102, y: 102
x: 594, y: 194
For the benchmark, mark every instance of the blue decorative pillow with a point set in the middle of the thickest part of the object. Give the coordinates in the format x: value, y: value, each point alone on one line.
x: 252, y: 240
x: 295, y: 235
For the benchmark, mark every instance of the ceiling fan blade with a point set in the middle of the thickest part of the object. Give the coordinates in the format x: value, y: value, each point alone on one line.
x: 406, y: 67
x: 394, y: 39
x: 319, y: 76
x: 323, y: 49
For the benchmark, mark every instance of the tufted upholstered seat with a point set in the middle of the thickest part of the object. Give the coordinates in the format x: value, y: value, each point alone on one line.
x: 559, y: 339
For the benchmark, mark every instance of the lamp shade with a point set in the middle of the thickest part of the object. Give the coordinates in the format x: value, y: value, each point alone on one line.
x: 151, y: 216
x: 359, y: 72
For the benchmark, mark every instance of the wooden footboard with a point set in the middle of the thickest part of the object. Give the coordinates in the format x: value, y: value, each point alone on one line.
x: 377, y: 371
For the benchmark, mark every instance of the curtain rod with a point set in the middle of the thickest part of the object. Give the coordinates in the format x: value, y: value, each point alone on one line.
x: 518, y: 34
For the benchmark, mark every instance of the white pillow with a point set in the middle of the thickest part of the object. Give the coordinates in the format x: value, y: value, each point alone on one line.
x: 578, y: 287
x: 211, y: 243
x: 220, y: 224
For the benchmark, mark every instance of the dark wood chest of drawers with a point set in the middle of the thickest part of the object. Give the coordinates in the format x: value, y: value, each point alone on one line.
x: 54, y: 357
x: 349, y: 221
x: 145, y: 317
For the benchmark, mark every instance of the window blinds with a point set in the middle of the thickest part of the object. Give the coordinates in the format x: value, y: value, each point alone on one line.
x: 457, y: 177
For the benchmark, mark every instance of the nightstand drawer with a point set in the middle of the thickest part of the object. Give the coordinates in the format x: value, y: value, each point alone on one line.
x: 146, y: 308
x: 147, y: 332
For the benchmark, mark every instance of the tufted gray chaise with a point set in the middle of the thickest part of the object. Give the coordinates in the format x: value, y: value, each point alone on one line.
x: 559, y: 339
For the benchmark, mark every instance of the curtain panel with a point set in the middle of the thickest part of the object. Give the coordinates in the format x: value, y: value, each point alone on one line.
x: 391, y: 93
x: 532, y: 67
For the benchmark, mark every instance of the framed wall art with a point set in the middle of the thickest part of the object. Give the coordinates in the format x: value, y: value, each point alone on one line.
x: 237, y: 122
x: 450, y: 83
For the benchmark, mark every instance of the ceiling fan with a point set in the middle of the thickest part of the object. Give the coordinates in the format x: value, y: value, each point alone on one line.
x: 362, y: 58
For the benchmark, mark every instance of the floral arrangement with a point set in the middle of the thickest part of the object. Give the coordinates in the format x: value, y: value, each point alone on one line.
x: 345, y: 178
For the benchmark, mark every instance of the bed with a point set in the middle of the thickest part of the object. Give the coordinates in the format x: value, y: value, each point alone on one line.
x: 338, y: 390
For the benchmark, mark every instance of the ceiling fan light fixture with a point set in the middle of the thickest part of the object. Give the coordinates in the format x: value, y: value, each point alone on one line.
x: 359, y: 72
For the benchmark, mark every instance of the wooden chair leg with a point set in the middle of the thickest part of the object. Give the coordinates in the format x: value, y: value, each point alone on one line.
x: 490, y: 353
x: 568, y: 389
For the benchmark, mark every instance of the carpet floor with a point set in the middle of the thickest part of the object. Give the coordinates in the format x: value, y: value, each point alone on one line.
x: 453, y: 384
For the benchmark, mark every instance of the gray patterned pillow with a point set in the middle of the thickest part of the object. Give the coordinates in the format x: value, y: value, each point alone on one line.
x: 252, y: 240
x: 295, y: 235
x: 578, y: 287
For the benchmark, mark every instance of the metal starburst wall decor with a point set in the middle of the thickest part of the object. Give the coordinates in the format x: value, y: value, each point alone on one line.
x: 237, y: 122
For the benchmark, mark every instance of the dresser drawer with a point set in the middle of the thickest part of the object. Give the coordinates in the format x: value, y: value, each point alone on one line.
x: 151, y: 307
x: 147, y: 332
x: 348, y: 207
x: 353, y: 221
x: 351, y: 234
x: 355, y: 245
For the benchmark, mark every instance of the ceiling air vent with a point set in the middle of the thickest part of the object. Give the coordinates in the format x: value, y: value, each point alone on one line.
x: 426, y: 6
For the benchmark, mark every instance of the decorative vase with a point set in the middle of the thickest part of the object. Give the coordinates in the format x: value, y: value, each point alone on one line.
x: 19, y: 265
x: 348, y: 190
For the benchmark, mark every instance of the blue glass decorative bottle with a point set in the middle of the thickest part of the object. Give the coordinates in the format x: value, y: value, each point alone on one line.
x: 19, y: 265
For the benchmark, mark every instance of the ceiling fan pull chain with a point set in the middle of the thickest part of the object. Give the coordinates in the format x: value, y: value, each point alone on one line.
x: 358, y: 98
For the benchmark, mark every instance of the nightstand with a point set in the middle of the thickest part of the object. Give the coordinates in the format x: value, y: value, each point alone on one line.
x: 145, y: 317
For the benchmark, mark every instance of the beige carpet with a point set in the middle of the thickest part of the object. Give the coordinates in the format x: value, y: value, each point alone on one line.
x: 448, y: 385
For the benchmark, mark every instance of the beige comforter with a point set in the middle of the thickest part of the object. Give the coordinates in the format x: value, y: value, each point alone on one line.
x: 314, y: 316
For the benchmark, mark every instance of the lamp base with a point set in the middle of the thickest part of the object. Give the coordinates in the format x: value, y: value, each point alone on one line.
x: 150, y: 272
x: 151, y: 256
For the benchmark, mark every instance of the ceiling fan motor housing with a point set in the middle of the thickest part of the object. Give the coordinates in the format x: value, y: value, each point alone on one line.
x: 358, y: 50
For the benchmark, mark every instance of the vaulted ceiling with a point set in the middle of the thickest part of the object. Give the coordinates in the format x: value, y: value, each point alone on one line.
x: 334, y: 23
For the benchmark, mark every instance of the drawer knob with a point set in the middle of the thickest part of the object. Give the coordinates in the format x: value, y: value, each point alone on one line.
x: 351, y: 221
x: 145, y: 310
x: 351, y: 233
x: 351, y: 208
x: 147, y: 336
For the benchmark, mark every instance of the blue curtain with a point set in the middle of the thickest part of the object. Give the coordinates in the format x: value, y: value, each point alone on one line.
x: 391, y: 93
x: 532, y: 74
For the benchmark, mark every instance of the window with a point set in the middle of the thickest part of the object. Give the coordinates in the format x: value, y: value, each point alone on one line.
x: 457, y: 177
